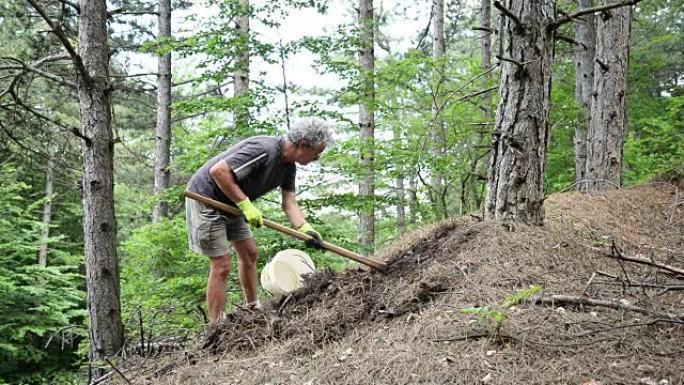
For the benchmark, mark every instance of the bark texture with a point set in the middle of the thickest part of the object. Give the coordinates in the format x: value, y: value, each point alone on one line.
x: 366, y: 228
x: 608, y: 124
x: 241, y: 86
x: 518, y: 154
x: 162, y: 173
x: 585, y: 33
x: 99, y: 227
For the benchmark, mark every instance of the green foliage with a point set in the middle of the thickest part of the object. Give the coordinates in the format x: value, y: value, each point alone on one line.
x: 494, y: 317
x: 491, y: 317
x: 656, y: 144
x: 41, y: 308
x: 522, y: 295
x: 162, y: 280
x: 564, y: 118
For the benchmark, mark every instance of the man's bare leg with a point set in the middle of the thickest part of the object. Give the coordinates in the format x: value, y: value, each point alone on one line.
x: 219, y: 271
x: 247, y: 257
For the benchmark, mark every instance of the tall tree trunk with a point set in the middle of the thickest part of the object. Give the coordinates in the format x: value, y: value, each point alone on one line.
x: 99, y: 226
x: 473, y: 197
x: 486, y: 51
x: 518, y: 159
x: 163, y: 138
x: 608, y: 124
x: 412, y: 199
x: 399, y: 179
x: 438, y: 135
x: 286, y: 101
x: 366, y: 228
x: 241, y: 85
x: 585, y: 33
x: 47, y: 210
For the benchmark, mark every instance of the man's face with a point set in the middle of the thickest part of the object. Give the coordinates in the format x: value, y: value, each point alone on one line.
x: 307, y: 154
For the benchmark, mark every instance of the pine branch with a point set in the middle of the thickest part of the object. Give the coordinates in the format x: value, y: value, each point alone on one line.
x: 508, y: 13
x: 137, y: 12
x: 72, y: 129
x: 568, y: 18
x: 64, y: 39
x: 22, y: 68
x: 570, y: 40
x: 517, y: 63
x: 72, y: 5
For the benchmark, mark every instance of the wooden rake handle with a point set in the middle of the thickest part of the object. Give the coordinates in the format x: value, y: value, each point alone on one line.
x: 292, y: 232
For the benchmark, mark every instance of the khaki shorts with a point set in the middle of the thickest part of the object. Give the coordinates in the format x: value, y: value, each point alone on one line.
x: 210, y: 230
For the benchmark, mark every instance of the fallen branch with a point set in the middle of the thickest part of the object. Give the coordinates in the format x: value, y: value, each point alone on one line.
x: 665, y: 286
x: 118, y: 371
x: 640, y: 324
x: 616, y: 254
x: 576, y: 300
x: 475, y: 337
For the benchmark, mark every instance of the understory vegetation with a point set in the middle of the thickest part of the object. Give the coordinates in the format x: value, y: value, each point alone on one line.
x: 445, y: 281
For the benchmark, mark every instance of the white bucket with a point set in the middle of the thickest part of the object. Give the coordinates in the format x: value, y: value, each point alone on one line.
x: 284, y: 272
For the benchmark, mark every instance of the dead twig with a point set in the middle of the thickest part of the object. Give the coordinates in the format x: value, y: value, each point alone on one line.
x: 617, y: 254
x: 118, y: 371
x: 593, y: 275
x: 592, y: 332
x: 282, y: 306
x: 577, y: 300
x: 474, y: 337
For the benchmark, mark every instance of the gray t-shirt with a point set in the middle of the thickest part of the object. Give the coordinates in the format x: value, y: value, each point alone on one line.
x: 257, y: 163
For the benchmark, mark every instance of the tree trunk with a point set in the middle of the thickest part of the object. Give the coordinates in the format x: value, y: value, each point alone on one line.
x: 472, y: 199
x: 366, y: 229
x: 438, y: 135
x: 585, y: 33
x: 99, y: 227
x: 47, y: 210
x: 241, y: 87
x: 163, y: 137
x: 608, y: 124
x: 518, y: 154
x: 486, y: 51
x: 412, y: 199
x: 399, y: 181
x: 286, y: 99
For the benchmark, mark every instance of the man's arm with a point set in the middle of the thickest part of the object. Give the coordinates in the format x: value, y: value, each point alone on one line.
x: 298, y: 220
x: 224, y: 177
x: 225, y: 180
x: 291, y: 208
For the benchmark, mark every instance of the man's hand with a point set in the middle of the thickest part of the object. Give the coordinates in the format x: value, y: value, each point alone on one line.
x: 316, y: 240
x: 252, y: 214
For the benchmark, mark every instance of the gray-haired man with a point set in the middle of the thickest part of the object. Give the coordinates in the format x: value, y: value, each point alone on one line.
x: 238, y: 176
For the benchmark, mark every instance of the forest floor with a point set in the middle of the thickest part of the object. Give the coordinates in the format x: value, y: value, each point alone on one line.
x: 458, y: 305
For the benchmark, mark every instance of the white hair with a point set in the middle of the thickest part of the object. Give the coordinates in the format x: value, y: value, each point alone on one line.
x: 313, y: 132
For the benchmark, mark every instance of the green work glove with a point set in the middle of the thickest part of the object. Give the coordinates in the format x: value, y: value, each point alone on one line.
x: 316, y: 240
x: 252, y: 214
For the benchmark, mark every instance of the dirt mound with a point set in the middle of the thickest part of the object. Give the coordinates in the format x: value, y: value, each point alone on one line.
x: 595, y: 295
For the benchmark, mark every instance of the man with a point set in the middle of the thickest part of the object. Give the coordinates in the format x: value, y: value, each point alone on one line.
x: 239, y: 176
